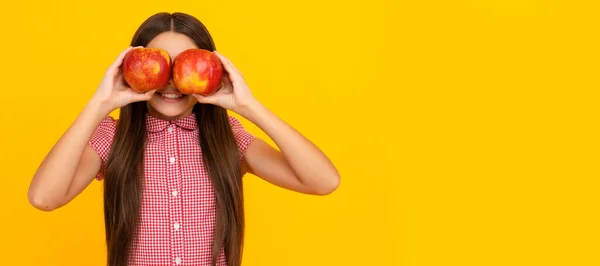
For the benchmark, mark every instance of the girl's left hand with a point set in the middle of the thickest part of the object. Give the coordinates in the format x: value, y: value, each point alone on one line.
x: 234, y: 93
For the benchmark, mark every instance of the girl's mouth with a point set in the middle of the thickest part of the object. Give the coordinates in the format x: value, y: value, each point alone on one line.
x: 171, y: 97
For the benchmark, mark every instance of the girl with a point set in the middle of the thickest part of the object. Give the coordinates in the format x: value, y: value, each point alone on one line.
x: 172, y: 164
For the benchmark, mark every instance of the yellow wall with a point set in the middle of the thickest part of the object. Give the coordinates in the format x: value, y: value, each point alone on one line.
x: 466, y: 132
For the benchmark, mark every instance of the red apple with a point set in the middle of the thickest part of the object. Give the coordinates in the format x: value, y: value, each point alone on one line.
x: 197, y: 71
x: 147, y: 69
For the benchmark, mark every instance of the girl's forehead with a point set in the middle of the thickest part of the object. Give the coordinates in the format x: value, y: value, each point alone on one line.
x: 172, y: 42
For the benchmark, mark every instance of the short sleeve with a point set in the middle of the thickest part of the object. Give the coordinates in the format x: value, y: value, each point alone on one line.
x: 101, y: 141
x: 242, y: 137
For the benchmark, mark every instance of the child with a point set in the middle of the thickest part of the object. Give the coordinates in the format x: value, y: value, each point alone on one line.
x: 172, y: 164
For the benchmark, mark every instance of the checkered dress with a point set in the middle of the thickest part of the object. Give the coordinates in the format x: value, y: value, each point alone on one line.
x: 178, y: 207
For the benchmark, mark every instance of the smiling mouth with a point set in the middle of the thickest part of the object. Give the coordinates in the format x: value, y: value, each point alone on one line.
x: 170, y: 95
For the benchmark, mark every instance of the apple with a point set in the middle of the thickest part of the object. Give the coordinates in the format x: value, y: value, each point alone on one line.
x: 146, y: 69
x: 197, y: 71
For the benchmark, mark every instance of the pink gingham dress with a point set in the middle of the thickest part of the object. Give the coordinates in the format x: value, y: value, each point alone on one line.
x: 178, y: 209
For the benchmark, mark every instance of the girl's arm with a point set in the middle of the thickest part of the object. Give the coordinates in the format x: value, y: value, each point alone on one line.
x: 299, y: 165
x: 72, y: 164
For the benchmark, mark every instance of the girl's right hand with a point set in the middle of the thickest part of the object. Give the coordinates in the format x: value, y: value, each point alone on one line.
x: 112, y: 93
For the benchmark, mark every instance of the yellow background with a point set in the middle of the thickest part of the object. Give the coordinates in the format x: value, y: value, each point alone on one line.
x: 466, y: 132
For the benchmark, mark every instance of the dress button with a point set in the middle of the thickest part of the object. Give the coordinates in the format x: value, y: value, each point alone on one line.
x: 170, y: 129
x: 172, y: 159
x: 178, y: 260
x: 176, y: 225
x: 174, y: 193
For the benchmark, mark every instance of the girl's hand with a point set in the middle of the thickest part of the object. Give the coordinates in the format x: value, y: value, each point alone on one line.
x: 112, y: 92
x: 234, y: 93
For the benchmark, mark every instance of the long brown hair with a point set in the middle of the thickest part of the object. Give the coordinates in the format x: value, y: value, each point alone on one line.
x: 123, y: 184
